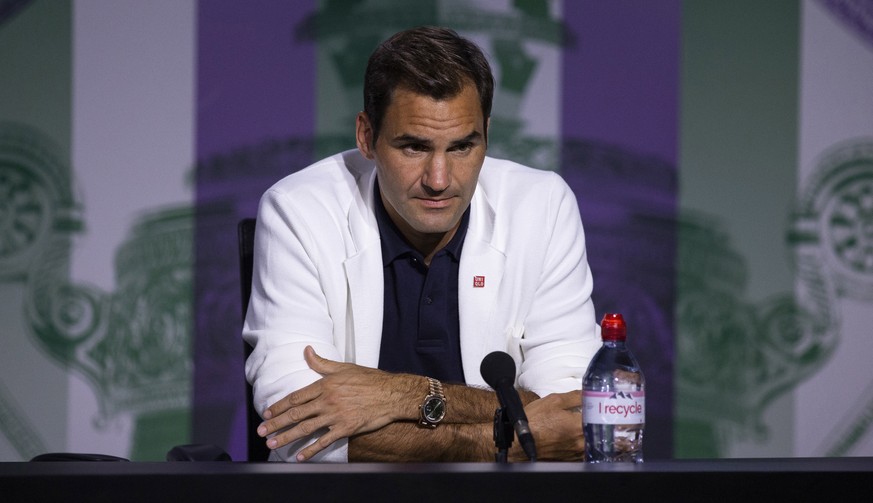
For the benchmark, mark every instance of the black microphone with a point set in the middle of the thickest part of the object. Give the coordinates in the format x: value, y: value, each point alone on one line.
x: 498, y: 370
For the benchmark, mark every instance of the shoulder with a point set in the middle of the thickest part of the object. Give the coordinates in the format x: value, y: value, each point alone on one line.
x: 509, y: 183
x: 334, y: 180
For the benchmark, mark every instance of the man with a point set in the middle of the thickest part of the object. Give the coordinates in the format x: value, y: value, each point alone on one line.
x: 384, y: 275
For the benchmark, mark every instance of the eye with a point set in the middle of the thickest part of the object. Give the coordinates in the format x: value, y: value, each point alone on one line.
x: 462, y: 148
x: 414, y: 148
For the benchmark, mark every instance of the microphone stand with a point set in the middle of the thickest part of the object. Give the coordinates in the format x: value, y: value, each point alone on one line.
x: 503, y: 434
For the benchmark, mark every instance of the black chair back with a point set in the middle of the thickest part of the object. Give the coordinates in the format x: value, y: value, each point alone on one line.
x: 257, y: 448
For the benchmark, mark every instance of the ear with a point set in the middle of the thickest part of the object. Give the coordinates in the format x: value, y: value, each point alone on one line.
x: 364, y: 135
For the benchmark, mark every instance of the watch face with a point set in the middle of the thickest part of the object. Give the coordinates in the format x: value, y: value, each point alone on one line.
x: 434, y: 409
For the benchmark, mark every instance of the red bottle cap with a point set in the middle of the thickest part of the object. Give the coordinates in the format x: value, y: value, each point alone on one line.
x: 612, y: 328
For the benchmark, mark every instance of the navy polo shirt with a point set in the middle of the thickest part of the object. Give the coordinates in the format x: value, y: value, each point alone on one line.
x: 420, y: 327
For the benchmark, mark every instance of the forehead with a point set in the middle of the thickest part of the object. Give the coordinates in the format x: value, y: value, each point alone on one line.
x: 410, y: 111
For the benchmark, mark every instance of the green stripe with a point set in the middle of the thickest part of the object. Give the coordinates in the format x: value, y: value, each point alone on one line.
x: 738, y: 161
x: 35, y: 118
x: 36, y: 69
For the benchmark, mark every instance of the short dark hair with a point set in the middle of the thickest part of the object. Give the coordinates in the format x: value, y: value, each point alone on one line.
x: 432, y: 61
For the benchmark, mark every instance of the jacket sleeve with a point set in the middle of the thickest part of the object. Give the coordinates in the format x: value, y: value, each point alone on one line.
x: 560, y: 331
x: 287, y: 311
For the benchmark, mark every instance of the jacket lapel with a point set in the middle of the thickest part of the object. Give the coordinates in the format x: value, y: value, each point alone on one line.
x: 479, y: 277
x: 363, y: 270
x: 364, y: 315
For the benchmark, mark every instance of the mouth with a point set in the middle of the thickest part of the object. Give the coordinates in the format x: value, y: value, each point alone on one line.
x: 435, y: 203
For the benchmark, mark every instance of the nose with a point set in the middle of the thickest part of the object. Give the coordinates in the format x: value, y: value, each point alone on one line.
x: 437, y: 173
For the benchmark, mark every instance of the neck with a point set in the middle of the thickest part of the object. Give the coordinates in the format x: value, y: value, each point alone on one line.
x: 428, y: 245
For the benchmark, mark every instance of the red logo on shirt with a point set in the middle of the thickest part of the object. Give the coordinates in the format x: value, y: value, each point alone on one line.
x: 478, y: 281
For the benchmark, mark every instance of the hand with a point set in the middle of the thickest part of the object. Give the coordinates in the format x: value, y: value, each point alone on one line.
x: 347, y: 400
x: 556, y: 423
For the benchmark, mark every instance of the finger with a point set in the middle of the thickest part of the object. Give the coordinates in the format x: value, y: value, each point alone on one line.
x: 300, y: 430
x: 297, y: 398
x: 323, y: 442
x: 321, y: 365
x: 287, y: 418
x: 569, y: 400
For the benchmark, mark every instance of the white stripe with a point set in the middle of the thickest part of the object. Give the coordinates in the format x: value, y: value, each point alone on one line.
x: 132, y: 148
x: 836, y: 104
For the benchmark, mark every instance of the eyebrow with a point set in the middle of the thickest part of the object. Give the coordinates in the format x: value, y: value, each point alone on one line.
x: 408, y: 138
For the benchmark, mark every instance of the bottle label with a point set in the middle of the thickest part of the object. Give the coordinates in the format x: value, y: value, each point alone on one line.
x: 614, y: 407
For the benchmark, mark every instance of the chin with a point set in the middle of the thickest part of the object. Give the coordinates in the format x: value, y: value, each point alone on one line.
x: 441, y: 228
x: 434, y: 224
x: 425, y: 229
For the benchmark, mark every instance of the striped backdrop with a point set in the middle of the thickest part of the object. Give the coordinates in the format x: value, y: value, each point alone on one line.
x: 721, y: 153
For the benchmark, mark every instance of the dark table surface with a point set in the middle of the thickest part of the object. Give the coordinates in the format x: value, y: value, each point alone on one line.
x: 673, y: 480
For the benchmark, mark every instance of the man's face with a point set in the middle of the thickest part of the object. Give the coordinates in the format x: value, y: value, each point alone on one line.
x: 428, y: 157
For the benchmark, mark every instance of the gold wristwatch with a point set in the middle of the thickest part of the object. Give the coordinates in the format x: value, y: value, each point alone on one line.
x: 433, y: 408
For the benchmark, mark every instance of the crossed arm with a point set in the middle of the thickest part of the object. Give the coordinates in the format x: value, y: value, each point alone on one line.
x: 378, y: 412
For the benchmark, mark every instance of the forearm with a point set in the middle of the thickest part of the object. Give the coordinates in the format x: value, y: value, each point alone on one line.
x: 352, y: 401
x: 467, y: 404
x: 466, y: 433
x: 404, y: 442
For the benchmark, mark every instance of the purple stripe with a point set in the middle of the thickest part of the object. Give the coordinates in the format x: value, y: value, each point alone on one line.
x: 255, y: 81
x: 621, y: 77
x: 255, y: 122
x: 619, y: 154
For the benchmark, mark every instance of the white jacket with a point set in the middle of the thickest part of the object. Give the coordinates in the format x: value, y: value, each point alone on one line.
x: 318, y: 280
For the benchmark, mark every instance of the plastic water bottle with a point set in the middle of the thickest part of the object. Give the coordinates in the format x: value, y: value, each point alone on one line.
x: 613, y: 399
